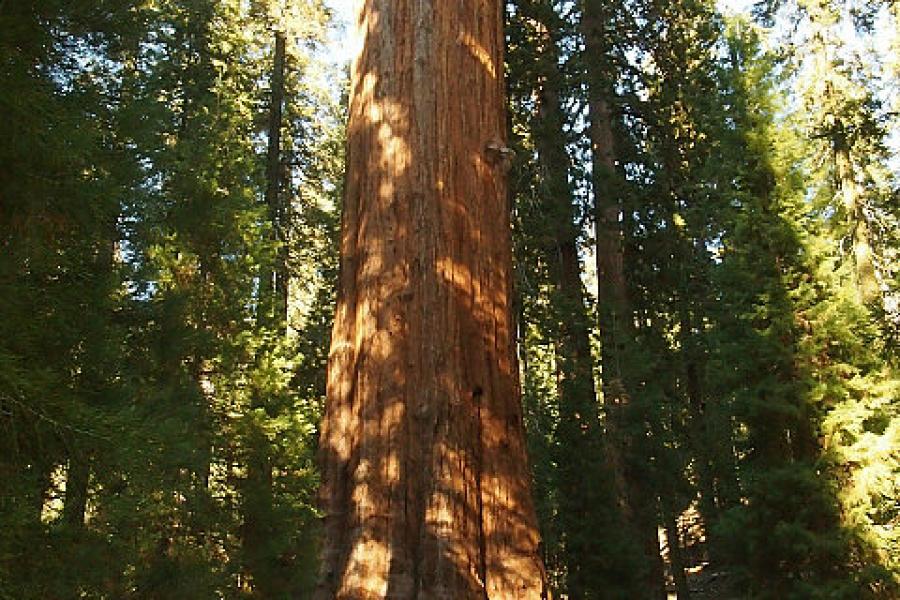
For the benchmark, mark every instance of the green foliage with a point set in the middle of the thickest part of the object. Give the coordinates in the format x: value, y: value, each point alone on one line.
x: 137, y: 386
x: 158, y: 413
x: 761, y: 388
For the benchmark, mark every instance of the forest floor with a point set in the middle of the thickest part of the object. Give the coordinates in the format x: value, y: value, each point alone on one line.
x: 706, y: 584
x: 704, y: 581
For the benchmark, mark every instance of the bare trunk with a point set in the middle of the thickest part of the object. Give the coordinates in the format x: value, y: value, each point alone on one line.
x: 426, y: 486
x: 273, y: 279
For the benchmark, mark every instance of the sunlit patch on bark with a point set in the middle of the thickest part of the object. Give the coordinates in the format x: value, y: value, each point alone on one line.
x: 425, y: 482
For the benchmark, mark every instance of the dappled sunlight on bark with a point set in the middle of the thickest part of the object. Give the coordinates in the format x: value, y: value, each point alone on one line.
x: 425, y: 487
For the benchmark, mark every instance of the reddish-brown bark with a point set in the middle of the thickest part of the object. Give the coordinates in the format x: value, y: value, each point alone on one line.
x: 426, y: 486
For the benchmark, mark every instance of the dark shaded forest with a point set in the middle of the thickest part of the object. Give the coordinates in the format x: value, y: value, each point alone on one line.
x: 705, y: 306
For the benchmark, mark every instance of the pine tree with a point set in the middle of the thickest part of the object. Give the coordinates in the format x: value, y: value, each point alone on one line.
x: 61, y: 184
x: 129, y: 465
x: 171, y: 178
x: 772, y: 320
x: 604, y: 67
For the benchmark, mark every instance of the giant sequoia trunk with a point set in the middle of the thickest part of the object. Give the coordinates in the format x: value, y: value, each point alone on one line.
x: 426, y: 486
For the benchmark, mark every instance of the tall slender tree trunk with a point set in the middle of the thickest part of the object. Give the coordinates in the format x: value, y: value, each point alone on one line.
x: 863, y: 262
x: 273, y: 279
x: 258, y: 498
x: 425, y: 480
x: 615, y: 313
x: 826, y: 48
x: 578, y: 421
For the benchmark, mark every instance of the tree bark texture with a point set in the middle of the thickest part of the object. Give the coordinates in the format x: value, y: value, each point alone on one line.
x: 425, y: 479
